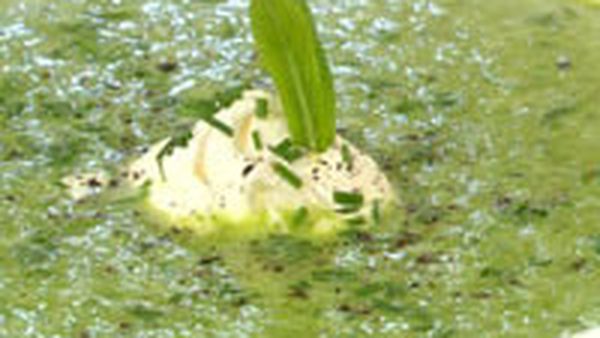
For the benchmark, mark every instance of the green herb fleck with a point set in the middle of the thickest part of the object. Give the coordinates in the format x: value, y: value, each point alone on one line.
x: 258, y: 145
x: 300, y: 217
x: 347, y: 157
x: 356, y: 221
x: 287, y: 151
x: 376, y: 212
x: 287, y: 175
x: 262, y: 108
x: 219, y: 125
x: 207, y: 109
x: 348, y: 198
x: 178, y: 141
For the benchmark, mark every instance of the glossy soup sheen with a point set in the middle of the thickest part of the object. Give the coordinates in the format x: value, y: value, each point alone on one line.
x: 485, y: 115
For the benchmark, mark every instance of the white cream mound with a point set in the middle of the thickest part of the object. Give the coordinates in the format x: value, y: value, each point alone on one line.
x: 231, y: 175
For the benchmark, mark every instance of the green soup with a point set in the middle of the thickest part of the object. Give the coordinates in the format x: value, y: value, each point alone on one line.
x: 484, y: 114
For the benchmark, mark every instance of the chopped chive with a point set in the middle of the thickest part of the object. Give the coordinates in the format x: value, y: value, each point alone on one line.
x: 287, y: 175
x: 258, y: 145
x: 347, y: 157
x: 176, y: 141
x: 300, y: 216
x: 287, y: 151
x: 355, y: 221
x: 348, y: 198
x: 262, y: 108
x: 376, y: 212
x: 219, y: 125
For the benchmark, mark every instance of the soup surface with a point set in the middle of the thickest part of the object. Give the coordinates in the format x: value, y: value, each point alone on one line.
x: 484, y: 114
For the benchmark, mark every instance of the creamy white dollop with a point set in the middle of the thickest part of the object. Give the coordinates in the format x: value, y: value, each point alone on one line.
x: 233, y: 175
